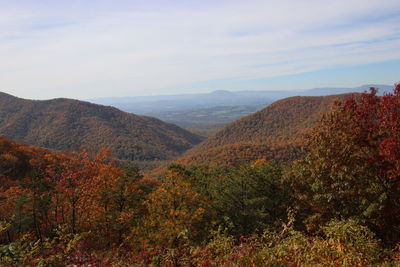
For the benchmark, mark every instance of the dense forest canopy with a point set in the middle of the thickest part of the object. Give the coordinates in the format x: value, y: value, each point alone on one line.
x: 72, y: 125
x: 338, y: 205
x: 275, y: 132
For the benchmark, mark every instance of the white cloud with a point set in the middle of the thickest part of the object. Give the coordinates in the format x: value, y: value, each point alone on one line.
x: 132, y: 49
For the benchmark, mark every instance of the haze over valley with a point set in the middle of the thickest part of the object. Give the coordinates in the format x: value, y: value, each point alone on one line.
x: 204, y: 114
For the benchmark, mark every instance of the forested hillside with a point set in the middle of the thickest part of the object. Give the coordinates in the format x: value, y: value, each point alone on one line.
x: 275, y: 132
x: 339, y: 205
x: 281, y: 121
x: 65, y: 124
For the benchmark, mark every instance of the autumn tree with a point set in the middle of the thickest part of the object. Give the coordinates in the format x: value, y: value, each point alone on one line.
x: 14, y: 210
x: 118, y: 194
x: 352, y: 165
x: 176, y: 214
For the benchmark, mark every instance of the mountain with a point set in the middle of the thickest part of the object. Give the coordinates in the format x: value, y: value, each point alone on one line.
x: 360, y: 89
x: 207, y: 113
x: 273, y: 132
x: 66, y: 124
x: 158, y: 104
x: 148, y: 105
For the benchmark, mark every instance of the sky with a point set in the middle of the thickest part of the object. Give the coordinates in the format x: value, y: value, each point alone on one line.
x: 96, y: 48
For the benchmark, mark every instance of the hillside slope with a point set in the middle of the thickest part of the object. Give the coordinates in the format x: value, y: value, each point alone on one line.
x: 65, y: 124
x: 273, y: 132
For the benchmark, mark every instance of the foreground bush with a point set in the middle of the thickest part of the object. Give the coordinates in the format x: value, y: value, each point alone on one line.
x: 343, y: 243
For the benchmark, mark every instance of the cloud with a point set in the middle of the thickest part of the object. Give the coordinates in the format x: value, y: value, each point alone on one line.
x: 98, y: 48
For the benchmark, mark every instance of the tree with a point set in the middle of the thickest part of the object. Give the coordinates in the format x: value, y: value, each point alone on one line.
x: 176, y: 214
x: 251, y: 197
x: 352, y: 165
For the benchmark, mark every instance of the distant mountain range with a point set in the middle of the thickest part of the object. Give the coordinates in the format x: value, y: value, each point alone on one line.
x: 150, y: 105
x: 205, y: 114
x: 65, y: 124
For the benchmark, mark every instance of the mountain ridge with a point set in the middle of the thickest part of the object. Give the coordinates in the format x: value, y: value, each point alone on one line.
x: 68, y: 124
x: 275, y: 132
x: 159, y: 103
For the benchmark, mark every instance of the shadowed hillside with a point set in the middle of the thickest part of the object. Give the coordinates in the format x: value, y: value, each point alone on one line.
x: 65, y: 124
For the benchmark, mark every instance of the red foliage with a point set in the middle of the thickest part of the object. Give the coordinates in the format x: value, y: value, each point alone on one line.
x: 377, y: 126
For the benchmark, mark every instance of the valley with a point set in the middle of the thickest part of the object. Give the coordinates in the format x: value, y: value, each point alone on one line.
x: 205, y: 114
x: 85, y: 180
x: 200, y: 133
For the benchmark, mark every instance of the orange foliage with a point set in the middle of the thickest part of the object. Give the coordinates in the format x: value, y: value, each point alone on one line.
x: 41, y: 190
x: 276, y: 132
x: 66, y: 124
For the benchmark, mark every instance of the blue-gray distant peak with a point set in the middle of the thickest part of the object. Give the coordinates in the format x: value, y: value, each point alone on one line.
x: 222, y: 93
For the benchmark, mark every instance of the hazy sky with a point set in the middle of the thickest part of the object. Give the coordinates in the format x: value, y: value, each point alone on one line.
x: 94, y: 48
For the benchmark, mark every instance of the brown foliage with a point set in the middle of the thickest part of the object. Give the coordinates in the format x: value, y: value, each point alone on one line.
x: 276, y: 132
x: 72, y: 125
